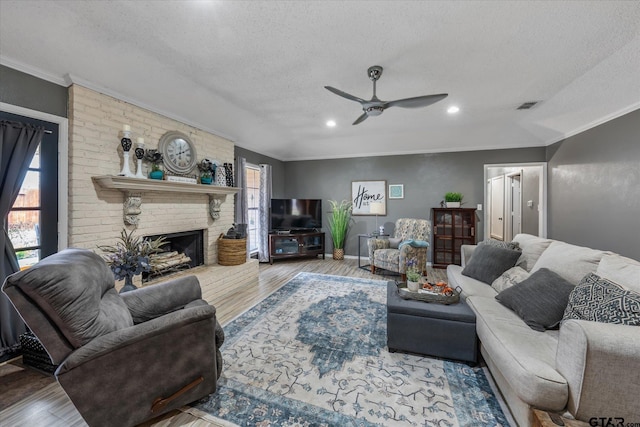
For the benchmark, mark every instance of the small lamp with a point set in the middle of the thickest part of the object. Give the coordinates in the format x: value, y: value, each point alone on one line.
x: 377, y: 208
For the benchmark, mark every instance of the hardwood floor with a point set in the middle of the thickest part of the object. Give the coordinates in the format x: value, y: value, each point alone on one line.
x: 48, y: 405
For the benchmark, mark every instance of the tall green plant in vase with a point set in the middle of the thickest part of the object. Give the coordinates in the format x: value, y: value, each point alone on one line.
x: 339, y: 222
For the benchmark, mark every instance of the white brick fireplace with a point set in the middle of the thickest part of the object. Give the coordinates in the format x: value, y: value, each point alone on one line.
x: 96, y: 213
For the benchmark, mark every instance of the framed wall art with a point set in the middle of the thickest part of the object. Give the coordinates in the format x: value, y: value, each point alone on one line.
x: 365, y: 192
x: 396, y: 191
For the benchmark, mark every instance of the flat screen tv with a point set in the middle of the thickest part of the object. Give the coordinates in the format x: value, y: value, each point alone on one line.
x: 296, y: 214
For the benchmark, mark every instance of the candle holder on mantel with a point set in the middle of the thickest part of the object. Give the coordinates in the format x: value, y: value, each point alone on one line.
x: 126, y: 146
x: 139, y: 155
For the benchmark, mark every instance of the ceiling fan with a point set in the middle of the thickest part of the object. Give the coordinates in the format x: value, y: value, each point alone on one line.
x: 375, y: 107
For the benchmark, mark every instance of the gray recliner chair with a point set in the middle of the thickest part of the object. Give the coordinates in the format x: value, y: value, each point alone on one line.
x: 123, y: 359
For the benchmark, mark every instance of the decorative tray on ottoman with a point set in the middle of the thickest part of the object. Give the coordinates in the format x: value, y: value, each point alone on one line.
x: 436, y: 294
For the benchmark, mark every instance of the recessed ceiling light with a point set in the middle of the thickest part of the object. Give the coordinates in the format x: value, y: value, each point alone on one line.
x: 453, y: 109
x: 331, y: 123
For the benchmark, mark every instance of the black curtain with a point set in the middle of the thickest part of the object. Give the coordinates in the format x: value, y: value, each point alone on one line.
x: 18, y: 144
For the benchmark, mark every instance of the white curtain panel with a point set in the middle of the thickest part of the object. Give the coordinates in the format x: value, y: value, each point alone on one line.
x: 263, y: 212
x: 242, y: 213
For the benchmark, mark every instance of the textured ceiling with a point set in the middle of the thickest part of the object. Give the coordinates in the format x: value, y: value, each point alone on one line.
x: 255, y: 72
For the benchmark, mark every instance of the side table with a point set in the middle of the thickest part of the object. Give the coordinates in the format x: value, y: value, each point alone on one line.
x: 367, y: 237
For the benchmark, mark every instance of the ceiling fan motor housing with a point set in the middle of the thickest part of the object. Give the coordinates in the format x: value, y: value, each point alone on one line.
x: 374, y: 72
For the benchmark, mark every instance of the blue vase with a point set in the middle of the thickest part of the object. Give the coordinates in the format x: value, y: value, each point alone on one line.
x: 156, y: 174
x: 205, y: 180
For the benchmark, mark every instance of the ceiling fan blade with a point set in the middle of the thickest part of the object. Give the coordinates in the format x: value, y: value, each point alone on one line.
x: 418, y: 101
x: 361, y: 119
x: 344, y: 94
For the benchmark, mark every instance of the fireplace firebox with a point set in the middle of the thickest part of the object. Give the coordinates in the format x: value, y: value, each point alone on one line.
x: 184, y: 249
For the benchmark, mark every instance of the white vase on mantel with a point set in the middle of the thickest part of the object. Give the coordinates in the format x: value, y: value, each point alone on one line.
x: 453, y: 204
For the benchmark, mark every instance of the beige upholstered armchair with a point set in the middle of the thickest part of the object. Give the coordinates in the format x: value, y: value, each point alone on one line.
x: 410, y: 240
x: 123, y: 359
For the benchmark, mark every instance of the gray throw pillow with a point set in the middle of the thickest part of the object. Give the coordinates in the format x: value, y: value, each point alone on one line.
x: 600, y: 300
x: 501, y: 244
x: 540, y: 300
x: 394, y: 242
x: 489, y: 262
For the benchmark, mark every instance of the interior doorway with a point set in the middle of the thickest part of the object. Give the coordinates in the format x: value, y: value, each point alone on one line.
x: 523, y: 209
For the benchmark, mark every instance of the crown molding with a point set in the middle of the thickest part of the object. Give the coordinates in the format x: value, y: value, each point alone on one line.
x: 33, y: 71
x: 604, y: 119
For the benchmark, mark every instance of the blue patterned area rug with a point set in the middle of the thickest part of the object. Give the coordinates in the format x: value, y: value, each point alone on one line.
x: 314, y: 354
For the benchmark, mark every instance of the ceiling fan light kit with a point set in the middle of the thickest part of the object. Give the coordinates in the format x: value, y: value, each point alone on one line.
x: 375, y: 107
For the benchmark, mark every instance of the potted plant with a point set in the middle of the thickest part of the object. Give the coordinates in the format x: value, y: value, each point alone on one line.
x: 155, y: 158
x: 130, y: 257
x: 413, y: 275
x: 453, y: 199
x: 339, y: 221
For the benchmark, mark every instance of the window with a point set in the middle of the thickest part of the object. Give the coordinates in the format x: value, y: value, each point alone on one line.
x: 32, y: 222
x: 24, y: 217
x: 253, y: 195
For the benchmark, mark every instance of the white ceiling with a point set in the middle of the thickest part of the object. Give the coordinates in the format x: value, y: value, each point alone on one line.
x: 255, y: 71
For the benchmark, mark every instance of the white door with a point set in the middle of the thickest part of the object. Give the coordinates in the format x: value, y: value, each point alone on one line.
x: 496, y: 219
x: 515, y: 203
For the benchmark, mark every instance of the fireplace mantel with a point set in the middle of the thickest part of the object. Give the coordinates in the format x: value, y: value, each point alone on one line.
x: 134, y: 187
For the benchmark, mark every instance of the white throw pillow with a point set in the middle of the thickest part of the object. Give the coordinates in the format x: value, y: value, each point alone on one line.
x: 532, y: 247
x: 394, y: 242
x: 571, y: 262
x: 512, y: 276
x: 621, y: 270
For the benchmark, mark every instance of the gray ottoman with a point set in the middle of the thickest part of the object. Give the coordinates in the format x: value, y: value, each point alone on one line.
x: 447, y: 331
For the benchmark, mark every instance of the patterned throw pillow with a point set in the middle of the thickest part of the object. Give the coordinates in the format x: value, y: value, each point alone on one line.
x: 509, y: 278
x: 601, y: 300
x: 515, y: 246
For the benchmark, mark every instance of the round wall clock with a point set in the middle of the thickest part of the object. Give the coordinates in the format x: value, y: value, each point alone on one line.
x: 178, y: 152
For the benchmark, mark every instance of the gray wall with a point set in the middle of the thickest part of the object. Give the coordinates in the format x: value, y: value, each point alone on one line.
x: 594, y: 187
x: 426, y: 178
x: 530, y: 191
x: 26, y: 91
x: 277, y: 169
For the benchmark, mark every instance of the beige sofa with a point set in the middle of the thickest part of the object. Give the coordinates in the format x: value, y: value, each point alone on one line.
x: 589, y: 369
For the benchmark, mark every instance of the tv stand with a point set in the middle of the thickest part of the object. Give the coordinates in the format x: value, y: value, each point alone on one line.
x: 296, y: 244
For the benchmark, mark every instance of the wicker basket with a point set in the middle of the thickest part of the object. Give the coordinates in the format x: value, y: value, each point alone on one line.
x: 232, y: 251
x: 34, y: 354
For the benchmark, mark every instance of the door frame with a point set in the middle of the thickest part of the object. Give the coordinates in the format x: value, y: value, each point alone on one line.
x: 491, y: 231
x: 543, y: 206
x: 63, y: 164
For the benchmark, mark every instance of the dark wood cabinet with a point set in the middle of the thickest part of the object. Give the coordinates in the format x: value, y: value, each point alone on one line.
x: 452, y: 228
x: 295, y: 245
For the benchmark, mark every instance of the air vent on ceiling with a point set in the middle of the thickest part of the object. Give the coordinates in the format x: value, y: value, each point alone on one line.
x: 527, y: 105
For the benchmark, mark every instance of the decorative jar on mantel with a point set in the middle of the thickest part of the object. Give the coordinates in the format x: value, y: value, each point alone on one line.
x: 156, y: 174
